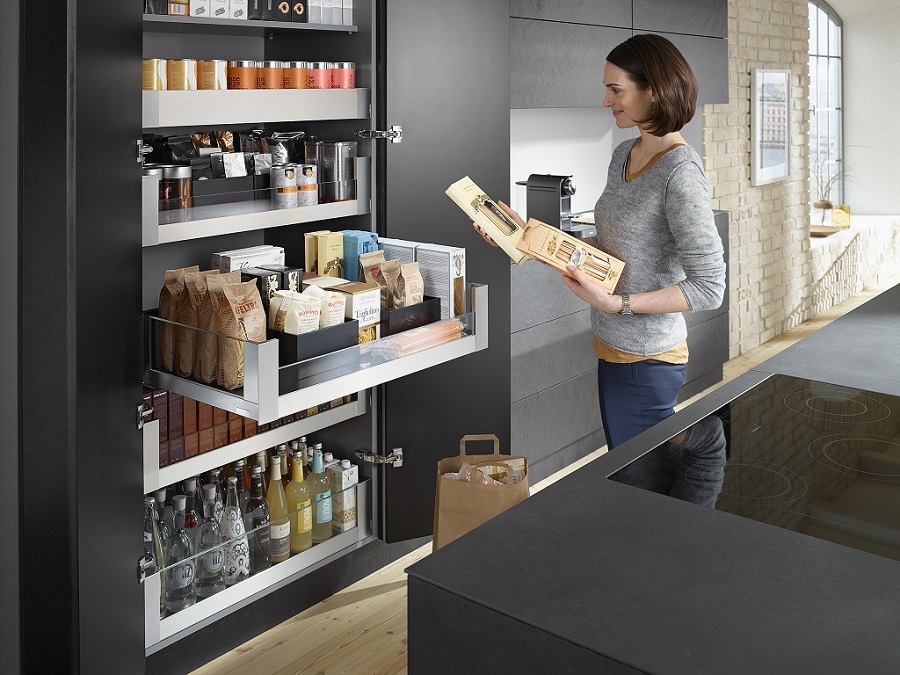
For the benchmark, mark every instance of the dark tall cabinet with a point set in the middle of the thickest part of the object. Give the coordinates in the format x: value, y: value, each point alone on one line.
x: 74, y: 250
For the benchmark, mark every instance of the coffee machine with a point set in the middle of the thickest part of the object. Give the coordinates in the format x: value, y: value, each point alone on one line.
x: 549, y: 199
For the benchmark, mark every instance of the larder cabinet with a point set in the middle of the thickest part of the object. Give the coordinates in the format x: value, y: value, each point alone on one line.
x: 95, y: 238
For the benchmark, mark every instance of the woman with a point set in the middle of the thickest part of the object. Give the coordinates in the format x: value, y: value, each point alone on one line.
x: 655, y: 215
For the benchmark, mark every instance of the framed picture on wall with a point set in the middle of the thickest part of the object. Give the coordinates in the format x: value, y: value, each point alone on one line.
x: 770, y: 122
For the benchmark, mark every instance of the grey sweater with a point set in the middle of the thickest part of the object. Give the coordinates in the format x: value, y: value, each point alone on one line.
x: 661, y: 225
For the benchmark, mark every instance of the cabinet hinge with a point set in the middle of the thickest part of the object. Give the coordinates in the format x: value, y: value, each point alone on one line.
x: 145, y: 562
x: 144, y: 414
x: 395, y: 135
x: 395, y: 458
x: 141, y: 149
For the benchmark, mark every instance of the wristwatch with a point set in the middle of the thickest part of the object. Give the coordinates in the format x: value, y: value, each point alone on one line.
x: 626, y: 304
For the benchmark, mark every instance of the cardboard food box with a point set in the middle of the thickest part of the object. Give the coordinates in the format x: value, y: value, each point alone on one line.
x: 398, y: 249
x: 488, y: 215
x: 311, y: 251
x: 343, y: 481
x: 363, y: 303
x: 443, y: 270
x: 556, y: 248
x: 330, y: 254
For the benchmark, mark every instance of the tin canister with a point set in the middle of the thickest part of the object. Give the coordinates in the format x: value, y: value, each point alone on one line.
x: 295, y: 75
x: 307, y: 185
x: 181, y: 74
x: 320, y: 75
x: 269, y: 74
x: 212, y: 74
x: 338, y: 171
x: 175, y: 187
x: 242, y: 74
x: 343, y: 75
x: 153, y: 76
x: 284, y: 186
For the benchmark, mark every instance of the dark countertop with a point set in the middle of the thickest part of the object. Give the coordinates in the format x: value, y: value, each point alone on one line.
x: 657, y: 585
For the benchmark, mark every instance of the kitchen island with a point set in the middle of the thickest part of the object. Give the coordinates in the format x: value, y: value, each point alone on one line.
x: 595, y: 575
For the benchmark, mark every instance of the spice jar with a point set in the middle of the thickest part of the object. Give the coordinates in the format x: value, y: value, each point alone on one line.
x: 181, y: 74
x: 344, y: 75
x: 212, y: 74
x: 269, y: 74
x: 320, y: 75
x: 242, y: 74
x: 295, y: 75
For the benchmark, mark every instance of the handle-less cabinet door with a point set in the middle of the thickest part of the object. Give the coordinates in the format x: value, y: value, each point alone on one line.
x: 708, y: 57
x: 607, y: 13
x: 446, y: 80
x: 559, y: 65
x: 693, y: 17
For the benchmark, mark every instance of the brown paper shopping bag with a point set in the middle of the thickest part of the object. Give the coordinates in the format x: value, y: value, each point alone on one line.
x: 460, y: 506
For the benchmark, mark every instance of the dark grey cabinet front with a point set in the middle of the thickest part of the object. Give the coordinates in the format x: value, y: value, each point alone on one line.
x: 709, y: 59
x: 609, y: 13
x: 558, y: 65
x: 692, y: 17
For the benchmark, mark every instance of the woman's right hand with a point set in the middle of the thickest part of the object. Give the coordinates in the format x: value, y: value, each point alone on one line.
x: 512, y: 214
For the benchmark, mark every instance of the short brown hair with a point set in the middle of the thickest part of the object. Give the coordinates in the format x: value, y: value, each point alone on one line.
x: 652, y: 61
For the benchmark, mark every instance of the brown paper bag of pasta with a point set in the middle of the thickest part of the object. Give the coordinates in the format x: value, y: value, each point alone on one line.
x: 242, y: 317
x: 206, y: 361
x: 169, y: 297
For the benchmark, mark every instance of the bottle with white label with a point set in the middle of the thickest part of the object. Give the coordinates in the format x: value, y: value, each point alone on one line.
x: 280, y: 524
x: 320, y: 493
x: 298, y: 500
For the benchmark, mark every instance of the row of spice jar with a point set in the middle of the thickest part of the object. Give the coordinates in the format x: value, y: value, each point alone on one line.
x: 191, y: 74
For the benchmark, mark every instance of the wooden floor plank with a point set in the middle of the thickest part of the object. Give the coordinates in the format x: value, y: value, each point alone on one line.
x: 362, y: 629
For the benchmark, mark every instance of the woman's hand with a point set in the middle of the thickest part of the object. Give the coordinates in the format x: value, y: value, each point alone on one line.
x: 512, y: 214
x: 590, y: 291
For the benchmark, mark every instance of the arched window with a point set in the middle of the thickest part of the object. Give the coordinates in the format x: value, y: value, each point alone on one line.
x: 826, y: 176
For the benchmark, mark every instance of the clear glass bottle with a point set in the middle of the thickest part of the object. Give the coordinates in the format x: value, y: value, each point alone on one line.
x: 210, y: 578
x: 165, y: 531
x: 320, y: 492
x: 180, y: 563
x: 191, y: 515
x: 256, y: 522
x: 283, y: 457
x: 237, y: 551
x: 298, y: 502
x: 260, y: 460
x: 280, y: 528
x: 216, y: 478
x: 153, y: 546
x: 242, y: 473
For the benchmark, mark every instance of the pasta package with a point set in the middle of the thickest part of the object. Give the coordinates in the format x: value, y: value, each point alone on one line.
x: 241, y: 317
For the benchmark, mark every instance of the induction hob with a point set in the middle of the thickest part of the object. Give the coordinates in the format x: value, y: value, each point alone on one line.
x: 807, y: 456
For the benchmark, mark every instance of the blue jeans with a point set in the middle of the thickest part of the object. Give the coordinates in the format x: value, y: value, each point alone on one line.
x: 635, y: 396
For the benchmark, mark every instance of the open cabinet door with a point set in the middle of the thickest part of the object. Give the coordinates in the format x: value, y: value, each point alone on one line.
x: 443, y: 77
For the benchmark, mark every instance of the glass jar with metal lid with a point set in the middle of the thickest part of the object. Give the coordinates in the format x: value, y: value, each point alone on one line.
x: 320, y: 75
x: 268, y: 74
x: 343, y: 75
x: 175, y: 187
x: 295, y: 75
x: 242, y: 74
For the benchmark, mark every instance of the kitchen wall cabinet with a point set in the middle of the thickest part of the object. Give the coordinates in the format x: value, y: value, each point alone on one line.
x: 83, y: 236
x: 691, y: 17
x: 607, y: 13
x: 558, y: 49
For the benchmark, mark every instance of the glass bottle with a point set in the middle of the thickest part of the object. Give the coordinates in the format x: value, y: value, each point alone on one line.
x: 237, y: 551
x: 210, y: 577
x: 280, y: 528
x: 256, y: 522
x: 215, y: 478
x: 242, y: 473
x: 180, y: 563
x: 259, y: 459
x: 320, y: 492
x: 285, y: 474
x: 297, y: 496
x: 153, y: 546
x: 165, y: 531
x: 191, y: 517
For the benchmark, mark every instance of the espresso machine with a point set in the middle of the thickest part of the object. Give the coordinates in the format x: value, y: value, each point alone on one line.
x: 549, y: 199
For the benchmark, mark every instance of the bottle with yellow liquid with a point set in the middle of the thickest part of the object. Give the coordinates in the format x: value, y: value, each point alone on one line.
x: 297, y: 494
x: 280, y: 525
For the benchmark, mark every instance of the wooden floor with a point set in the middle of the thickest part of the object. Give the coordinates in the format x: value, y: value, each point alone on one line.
x: 362, y: 629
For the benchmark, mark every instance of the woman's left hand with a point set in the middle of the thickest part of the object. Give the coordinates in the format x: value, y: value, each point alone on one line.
x: 590, y: 291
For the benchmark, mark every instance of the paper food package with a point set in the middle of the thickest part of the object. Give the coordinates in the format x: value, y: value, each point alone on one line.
x: 488, y: 215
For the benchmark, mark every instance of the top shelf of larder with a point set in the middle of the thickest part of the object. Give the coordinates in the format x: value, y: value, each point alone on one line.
x: 164, y: 23
x: 247, y: 106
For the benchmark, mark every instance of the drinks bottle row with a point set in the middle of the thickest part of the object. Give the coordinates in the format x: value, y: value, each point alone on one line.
x: 206, y: 535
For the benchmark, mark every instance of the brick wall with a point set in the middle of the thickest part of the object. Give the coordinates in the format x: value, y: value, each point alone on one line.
x: 769, y: 230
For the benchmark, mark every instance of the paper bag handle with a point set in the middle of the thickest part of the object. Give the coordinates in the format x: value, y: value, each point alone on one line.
x: 478, y: 437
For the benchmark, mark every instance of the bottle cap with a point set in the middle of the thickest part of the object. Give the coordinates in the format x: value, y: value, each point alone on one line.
x: 328, y: 457
x: 232, y: 481
x: 149, y: 500
x: 209, y: 492
x: 255, y: 470
x: 190, y: 484
x: 178, y: 502
x: 160, y: 495
x: 345, y: 463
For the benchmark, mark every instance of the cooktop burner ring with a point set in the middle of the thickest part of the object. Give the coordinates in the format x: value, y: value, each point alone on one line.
x: 745, y: 482
x: 828, y: 451
x: 837, y: 405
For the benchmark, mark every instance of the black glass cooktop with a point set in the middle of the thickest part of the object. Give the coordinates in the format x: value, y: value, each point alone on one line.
x: 808, y: 456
